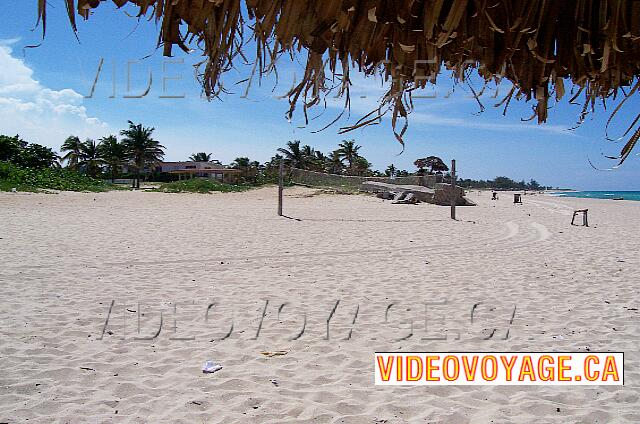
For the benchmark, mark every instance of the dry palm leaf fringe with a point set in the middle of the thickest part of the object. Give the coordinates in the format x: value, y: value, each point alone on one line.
x: 535, y: 44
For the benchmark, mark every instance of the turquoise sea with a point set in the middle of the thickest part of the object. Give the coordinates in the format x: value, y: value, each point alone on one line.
x: 626, y: 195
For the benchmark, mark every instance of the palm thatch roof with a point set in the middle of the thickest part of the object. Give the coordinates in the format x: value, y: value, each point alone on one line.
x: 535, y: 44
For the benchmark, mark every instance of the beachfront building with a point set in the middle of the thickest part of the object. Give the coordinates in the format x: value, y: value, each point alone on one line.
x: 214, y: 170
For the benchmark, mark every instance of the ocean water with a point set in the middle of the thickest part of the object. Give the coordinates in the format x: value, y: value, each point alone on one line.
x: 626, y: 195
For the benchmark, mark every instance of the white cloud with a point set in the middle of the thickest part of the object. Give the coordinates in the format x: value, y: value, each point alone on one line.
x: 40, y: 114
x: 439, y: 120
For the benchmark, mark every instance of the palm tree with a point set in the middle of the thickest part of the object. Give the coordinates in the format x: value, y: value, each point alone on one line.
x: 141, y: 149
x: 256, y: 169
x: 112, y: 154
x: 271, y: 168
x: 361, y: 166
x: 73, y: 146
x: 320, y: 161
x: 241, y: 163
x: 308, y: 151
x: 348, y: 150
x: 294, y: 155
x: 90, y: 159
x: 200, y: 157
x: 313, y: 159
x: 335, y: 162
x: 249, y: 168
x: 275, y: 160
x: 390, y: 171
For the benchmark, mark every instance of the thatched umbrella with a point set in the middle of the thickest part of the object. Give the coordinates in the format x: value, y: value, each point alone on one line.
x: 535, y: 44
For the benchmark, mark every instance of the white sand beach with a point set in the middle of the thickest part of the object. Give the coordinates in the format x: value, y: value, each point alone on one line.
x: 66, y: 258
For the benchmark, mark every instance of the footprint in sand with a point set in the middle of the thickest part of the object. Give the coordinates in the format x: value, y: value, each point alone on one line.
x: 543, y: 232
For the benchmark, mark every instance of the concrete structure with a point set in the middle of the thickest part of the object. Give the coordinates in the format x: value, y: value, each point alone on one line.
x: 440, y: 195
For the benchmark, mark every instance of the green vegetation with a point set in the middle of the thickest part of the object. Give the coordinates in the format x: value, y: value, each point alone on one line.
x: 36, y: 179
x: 138, y: 151
x: 27, y: 155
x: 137, y: 156
x: 502, y: 183
x: 200, y: 157
x: 201, y: 185
x: 113, y: 155
x: 345, y: 160
x: 251, y: 171
x: 142, y: 151
x: 30, y: 166
x: 434, y: 163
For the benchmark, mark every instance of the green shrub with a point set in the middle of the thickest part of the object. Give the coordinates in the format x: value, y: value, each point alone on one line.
x: 30, y: 179
x: 201, y: 185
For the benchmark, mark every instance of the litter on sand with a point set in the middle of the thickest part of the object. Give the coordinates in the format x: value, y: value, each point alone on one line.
x: 210, y: 367
x: 276, y: 353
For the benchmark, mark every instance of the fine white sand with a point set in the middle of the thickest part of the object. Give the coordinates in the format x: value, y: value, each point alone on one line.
x: 64, y: 258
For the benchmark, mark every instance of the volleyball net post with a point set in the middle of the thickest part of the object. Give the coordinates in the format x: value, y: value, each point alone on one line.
x: 280, y: 186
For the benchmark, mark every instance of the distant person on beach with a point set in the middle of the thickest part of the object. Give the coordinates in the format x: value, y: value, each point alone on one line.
x: 494, y: 196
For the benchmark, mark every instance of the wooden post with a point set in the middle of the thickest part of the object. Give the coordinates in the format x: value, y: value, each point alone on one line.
x: 280, y: 186
x: 454, y: 198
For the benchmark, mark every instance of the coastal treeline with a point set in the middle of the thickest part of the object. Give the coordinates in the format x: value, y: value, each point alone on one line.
x: 83, y: 165
x: 502, y: 183
x: 28, y: 166
x: 346, y: 159
x: 135, y: 155
x: 137, y: 150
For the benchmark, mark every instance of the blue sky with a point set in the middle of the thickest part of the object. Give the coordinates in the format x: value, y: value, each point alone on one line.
x: 43, y: 89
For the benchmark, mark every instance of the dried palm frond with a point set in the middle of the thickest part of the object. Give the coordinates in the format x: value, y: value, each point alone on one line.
x: 534, y: 44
